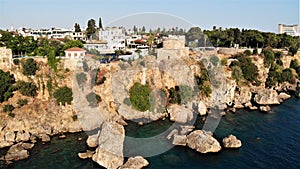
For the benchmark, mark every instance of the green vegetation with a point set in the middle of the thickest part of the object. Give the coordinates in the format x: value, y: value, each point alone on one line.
x: 224, y: 61
x: 247, y: 52
x: 8, y: 108
x: 16, y: 61
x: 277, y: 74
x: 50, y: 86
x: 139, y: 97
x: 52, y: 60
x: 63, y: 95
x: 74, y: 117
x: 214, y: 60
x: 269, y: 56
x: 203, y: 82
x: 93, y: 99
x: 29, y: 67
x: 91, y: 28
x: 27, y: 88
x: 81, y: 78
x: 22, y: 102
x: 293, y: 49
x: 85, y: 66
x: 180, y: 94
x: 77, y: 27
x: 246, y: 38
x: 249, y: 69
x: 237, y: 73
x: 6, y: 85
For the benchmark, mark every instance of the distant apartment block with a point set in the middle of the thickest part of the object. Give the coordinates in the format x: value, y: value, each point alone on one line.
x: 288, y: 29
x: 114, y: 37
x: 53, y: 33
x: 5, y: 58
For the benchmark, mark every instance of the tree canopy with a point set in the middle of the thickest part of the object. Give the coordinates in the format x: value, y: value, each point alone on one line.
x: 91, y: 28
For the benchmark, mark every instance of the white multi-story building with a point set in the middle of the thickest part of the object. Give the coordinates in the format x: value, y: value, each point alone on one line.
x: 115, y: 38
x: 288, y: 29
x: 54, y: 33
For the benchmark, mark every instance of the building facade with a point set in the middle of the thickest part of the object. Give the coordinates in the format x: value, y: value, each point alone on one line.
x: 291, y: 30
x: 75, y: 53
x: 114, y: 37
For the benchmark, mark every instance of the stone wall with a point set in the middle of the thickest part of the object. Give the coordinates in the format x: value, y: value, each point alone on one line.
x: 5, y: 58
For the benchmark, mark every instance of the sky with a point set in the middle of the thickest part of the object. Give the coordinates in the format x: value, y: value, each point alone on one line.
x: 264, y: 15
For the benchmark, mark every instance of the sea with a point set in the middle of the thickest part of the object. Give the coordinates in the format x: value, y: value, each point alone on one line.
x: 270, y: 140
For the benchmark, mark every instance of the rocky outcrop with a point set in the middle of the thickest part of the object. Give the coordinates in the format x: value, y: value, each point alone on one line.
x: 266, y: 97
x: 45, y: 138
x: 109, y: 153
x: 131, y: 114
x: 242, y: 96
x: 179, y: 140
x: 180, y: 114
x: 265, y: 108
x: 137, y: 162
x: 203, y: 142
x: 22, y: 136
x: 202, y: 109
x: 231, y: 142
x: 87, y: 154
x: 18, y: 152
x: 93, y: 140
x: 283, y: 96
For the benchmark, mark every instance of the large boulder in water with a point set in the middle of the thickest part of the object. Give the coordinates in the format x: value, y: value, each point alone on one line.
x: 231, y: 142
x: 137, y: 162
x: 203, y: 142
x: 18, y: 152
x: 266, y: 97
x: 109, y: 153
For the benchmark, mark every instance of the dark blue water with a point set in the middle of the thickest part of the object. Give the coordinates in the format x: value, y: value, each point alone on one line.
x: 269, y: 141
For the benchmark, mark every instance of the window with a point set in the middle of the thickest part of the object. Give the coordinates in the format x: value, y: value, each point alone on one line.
x: 69, y: 54
x: 81, y: 54
x: 75, y: 54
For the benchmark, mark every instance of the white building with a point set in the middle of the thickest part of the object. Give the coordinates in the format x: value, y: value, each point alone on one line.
x: 56, y: 33
x: 114, y: 37
x: 291, y: 30
x: 75, y: 53
x: 100, y: 46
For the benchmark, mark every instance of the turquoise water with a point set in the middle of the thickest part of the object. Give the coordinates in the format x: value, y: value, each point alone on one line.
x: 269, y: 141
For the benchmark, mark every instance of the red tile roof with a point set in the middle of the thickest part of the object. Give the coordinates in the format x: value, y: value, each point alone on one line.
x: 75, y: 49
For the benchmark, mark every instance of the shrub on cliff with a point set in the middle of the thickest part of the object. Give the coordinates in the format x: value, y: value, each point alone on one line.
x: 293, y: 50
x: 63, y: 95
x: 6, y: 85
x: 8, y: 108
x: 22, y: 102
x: 29, y: 67
x: 93, y: 99
x: 269, y: 56
x: 27, y: 88
x: 139, y: 96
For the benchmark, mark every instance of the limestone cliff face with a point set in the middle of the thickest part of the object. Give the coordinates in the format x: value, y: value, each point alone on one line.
x: 42, y: 115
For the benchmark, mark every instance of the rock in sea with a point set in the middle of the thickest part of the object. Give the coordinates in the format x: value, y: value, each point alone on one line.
x: 137, y: 162
x: 109, y: 153
x: 231, y: 142
x: 203, y: 142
